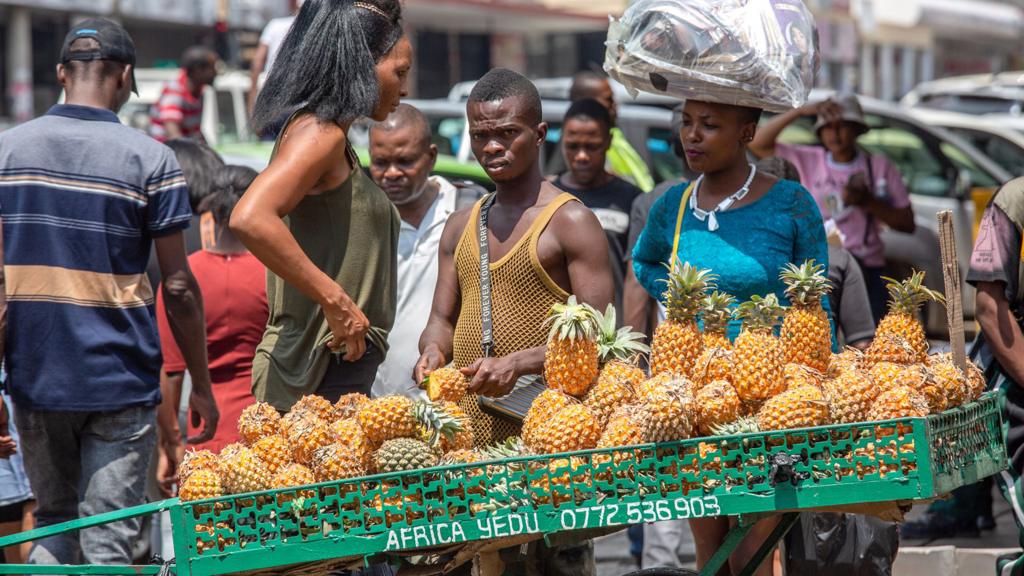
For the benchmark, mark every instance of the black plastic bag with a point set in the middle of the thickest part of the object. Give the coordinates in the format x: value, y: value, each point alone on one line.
x: 841, y: 545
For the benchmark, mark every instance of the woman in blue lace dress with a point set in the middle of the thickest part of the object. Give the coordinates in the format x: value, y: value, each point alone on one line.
x: 744, y: 226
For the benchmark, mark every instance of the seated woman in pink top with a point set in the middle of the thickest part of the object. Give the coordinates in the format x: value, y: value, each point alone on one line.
x: 858, y: 190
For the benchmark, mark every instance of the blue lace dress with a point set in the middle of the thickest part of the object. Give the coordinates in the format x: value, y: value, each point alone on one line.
x: 748, y: 250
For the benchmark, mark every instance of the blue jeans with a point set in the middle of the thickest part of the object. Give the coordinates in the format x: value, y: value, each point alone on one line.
x: 81, y: 464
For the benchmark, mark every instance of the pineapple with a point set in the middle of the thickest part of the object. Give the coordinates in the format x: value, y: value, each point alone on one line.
x: 306, y: 435
x: 242, y: 472
x: 849, y: 396
x: 387, y: 417
x: 905, y: 300
x: 403, y: 454
x: 849, y: 359
x: 571, y: 359
x: 670, y: 406
x: 195, y: 460
x: 715, y: 313
x: 618, y: 344
x: 349, y: 404
x: 899, y: 402
x: 200, y: 485
x: 274, y: 452
x: 626, y: 427
x: 798, y: 375
x: 949, y: 378
x: 802, y: 407
x: 572, y: 428
x: 713, y: 364
x: 317, y: 405
x: 757, y: 354
x: 456, y: 457
x: 607, y: 395
x: 976, y: 383
x: 445, y: 384
x: 886, y: 375
x: 677, y: 341
x: 291, y: 476
x: 544, y: 407
x: 347, y: 432
x: 806, y: 331
x: 337, y: 462
x: 891, y: 348
x: 230, y: 449
x: 257, y: 421
x: 742, y: 425
x: 716, y: 404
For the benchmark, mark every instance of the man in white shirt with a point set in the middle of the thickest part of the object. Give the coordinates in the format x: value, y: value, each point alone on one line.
x: 266, y: 52
x: 401, y: 159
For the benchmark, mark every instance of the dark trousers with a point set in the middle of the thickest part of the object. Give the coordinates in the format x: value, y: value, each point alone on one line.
x: 878, y: 295
x: 347, y: 377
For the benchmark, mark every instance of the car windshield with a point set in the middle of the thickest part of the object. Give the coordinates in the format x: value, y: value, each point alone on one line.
x: 1000, y: 150
x: 971, y: 103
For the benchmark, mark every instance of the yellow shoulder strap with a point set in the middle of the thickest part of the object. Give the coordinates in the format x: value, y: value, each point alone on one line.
x: 679, y: 224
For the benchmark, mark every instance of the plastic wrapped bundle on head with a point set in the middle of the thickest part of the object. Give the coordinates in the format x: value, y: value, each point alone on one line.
x: 755, y: 53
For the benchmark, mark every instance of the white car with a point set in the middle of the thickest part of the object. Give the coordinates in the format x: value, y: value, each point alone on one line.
x: 1001, y: 93
x: 1000, y: 137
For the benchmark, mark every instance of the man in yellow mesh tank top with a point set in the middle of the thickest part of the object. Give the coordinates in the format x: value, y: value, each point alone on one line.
x: 543, y: 246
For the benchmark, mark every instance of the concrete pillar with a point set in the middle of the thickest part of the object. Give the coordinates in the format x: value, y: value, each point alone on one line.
x: 19, y: 64
x: 927, y: 64
x: 908, y: 67
x: 867, y: 69
x: 887, y: 71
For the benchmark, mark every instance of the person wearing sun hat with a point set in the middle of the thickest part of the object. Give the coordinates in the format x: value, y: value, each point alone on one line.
x: 857, y: 190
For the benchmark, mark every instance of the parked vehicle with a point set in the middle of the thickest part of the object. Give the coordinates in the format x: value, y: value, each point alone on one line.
x: 1000, y: 137
x: 1001, y: 93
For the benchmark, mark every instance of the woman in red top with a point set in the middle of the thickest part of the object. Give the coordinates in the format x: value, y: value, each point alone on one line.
x: 235, y: 302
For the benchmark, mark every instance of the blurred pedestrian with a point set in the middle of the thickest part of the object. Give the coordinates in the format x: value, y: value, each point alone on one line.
x: 199, y: 164
x: 178, y: 113
x: 623, y: 160
x: 83, y: 199
x: 858, y: 190
x: 266, y: 52
x: 326, y: 232
x: 235, y: 306
x: 402, y: 157
x: 743, y: 225
x: 586, y: 138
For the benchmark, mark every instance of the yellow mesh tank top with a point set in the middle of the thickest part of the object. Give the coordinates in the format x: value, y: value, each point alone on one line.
x: 522, y: 294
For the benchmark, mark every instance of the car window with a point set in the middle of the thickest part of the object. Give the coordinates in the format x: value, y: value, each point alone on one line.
x: 979, y: 177
x: 970, y: 103
x: 446, y: 134
x: 1000, y: 150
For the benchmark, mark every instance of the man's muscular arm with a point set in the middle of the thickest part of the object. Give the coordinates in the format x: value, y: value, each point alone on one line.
x: 436, y: 340
x: 584, y: 248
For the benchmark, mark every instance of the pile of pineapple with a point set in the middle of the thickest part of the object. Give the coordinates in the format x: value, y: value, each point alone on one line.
x: 319, y: 442
x: 702, y: 385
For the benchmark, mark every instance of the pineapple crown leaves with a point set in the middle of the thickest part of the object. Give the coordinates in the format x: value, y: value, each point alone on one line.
x: 742, y: 425
x: 510, y: 448
x: 617, y: 344
x: 572, y: 321
x: 716, y: 310
x: 686, y: 287
x: 806, y: 283
x: 908, y: 295
x: 760, y: 313
x: 437, y: 421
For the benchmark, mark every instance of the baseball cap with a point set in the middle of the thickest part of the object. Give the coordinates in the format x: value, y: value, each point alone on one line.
x: 115, y: 44
x: 849, y: 111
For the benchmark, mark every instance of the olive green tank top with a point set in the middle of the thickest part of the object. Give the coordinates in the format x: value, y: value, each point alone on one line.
x: 351, y: 233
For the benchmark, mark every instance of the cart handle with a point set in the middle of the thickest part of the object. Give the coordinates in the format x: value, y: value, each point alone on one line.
x: 89, y: 522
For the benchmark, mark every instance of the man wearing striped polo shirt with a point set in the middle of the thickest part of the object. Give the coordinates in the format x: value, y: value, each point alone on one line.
x: 178, y: 113
x: 83, y: 198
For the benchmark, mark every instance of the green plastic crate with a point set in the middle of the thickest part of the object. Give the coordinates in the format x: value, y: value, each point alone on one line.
x: 908, y: 459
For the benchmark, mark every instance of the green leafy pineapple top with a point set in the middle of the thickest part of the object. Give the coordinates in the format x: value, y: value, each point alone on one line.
x: 760, y: 313
x: 686, y: 287
x: 805, y: 284
x: 618, y: 343
x: 572, y: 321
x: 908, y: 296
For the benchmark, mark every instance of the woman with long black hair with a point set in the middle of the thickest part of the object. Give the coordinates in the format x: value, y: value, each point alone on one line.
x: 326, y: 233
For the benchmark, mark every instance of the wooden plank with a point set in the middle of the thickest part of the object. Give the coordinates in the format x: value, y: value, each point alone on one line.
x: 954, y: 295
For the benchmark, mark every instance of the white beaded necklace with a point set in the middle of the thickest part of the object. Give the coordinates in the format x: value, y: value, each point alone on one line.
x: 724, y: 205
